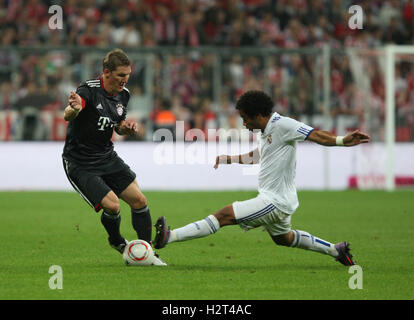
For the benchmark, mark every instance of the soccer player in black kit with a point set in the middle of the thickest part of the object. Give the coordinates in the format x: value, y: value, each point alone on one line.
x: 93, y: 168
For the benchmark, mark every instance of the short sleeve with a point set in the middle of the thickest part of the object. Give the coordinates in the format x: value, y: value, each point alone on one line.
x: 293, y: 130
x: 85, y: 94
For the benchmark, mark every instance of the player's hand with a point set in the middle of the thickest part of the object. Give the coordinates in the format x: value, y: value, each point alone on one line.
x: 75, y: 101
x: 356, y: 137
x: 129, y: 127
x: 221, y: 159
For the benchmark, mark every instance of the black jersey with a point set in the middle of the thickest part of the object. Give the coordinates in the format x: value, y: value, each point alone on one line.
x: 88, y: 138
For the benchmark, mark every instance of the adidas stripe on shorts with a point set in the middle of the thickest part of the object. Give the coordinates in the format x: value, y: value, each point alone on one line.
x: 260, y: 211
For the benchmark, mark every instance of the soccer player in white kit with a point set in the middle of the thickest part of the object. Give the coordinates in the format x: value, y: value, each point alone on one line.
x: 277, y: 199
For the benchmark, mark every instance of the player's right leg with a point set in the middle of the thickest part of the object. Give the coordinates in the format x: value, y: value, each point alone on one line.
x: 111, y: 220
x: 198, y: 229
x: 99, y: 196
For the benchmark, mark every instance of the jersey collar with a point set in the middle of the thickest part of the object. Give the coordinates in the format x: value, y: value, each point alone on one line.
x: 269, y: 124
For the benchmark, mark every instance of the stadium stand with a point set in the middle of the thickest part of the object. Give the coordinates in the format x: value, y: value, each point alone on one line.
x: 187, y: 80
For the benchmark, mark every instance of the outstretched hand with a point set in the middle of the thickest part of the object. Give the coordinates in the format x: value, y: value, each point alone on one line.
x: 128, y: 127
x: 223, y: 159
x: 75, y: 100
x: 356, y: 137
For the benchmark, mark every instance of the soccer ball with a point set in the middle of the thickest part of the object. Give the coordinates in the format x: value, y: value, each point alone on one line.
x: 138, y: 253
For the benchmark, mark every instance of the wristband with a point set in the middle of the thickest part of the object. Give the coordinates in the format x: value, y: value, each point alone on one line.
x: 340, y: 141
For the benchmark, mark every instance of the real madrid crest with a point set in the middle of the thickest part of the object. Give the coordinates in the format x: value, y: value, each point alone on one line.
x: 269, y: 138
x: 119, y: 109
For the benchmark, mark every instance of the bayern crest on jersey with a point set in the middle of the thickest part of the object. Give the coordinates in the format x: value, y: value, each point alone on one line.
x: 119, y: 109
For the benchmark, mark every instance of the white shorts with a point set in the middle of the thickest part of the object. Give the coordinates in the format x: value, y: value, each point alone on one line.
x: 260, y: 211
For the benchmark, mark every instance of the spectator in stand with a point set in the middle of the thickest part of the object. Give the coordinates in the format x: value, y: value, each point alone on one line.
x: 395, y: 33
x: 127, y: 35
x: 295, y: 34
x: 224, y: 110
x: 181, y: 113
x: 197, y: 122
x: 187, y: 31
x: 9, y: 37
x: 235, y: 35
x: 90, y: 37
x: 235, y: 72
x: 350, y: 101
x: 281, y: 101
x: 164, y: 118
x: 210, y: 117
x: 185, y: 85
x: 105, y: 30
x: 215, y: 26
x: 147, y: 32
x: 315, y: 9
x: 7, y: 96
x: 269, y: 26
x: 164, y: 26
x: 34, y: 98
x: 250, y: 35
x: 408, y: 15
x: 390, y: 10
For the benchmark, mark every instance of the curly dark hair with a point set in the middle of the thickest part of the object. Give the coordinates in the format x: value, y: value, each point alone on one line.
x: 255, y: 102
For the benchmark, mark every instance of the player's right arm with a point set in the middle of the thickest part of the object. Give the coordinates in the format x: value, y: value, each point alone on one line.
x: 253, y: 157
x: 74, y: 107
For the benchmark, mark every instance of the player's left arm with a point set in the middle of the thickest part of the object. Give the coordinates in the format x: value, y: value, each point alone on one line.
x: 327, y: 138
x: 127, y: 127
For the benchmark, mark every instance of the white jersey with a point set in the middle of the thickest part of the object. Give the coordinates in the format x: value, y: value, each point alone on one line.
x: 277, y: 147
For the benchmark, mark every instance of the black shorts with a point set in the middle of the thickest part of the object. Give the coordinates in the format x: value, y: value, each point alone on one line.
x: 93, y: 184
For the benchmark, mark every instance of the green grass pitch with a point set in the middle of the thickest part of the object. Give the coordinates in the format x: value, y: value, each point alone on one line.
x: 41, y: 229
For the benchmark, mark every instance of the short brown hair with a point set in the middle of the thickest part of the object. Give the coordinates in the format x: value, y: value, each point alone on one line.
x: 114, y: 59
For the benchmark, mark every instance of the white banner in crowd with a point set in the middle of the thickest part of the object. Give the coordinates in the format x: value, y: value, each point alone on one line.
x: 189, y: 166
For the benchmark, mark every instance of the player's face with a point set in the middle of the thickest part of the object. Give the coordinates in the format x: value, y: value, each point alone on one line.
x: 118, y: 78
x: 249, y: 123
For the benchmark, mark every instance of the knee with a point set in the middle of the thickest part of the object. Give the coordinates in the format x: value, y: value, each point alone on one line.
x: 139, y: 201
x: 226, y: 216
x: 284, y: 239
x: 112, y: 206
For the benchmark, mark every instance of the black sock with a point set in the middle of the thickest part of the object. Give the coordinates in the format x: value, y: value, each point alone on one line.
x: 142, y: 223
x: 112, y: 222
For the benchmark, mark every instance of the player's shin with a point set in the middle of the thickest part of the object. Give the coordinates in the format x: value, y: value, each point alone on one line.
x: 305, y: 240
x: 142, y: 223
x: 195, y: 230
x: 112, y: 223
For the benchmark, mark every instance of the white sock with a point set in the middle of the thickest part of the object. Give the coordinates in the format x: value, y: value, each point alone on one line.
x: 305, y: 240
x: 194, y: 230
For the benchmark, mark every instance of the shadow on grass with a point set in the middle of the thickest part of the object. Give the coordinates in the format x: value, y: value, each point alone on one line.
x: 277, y: 267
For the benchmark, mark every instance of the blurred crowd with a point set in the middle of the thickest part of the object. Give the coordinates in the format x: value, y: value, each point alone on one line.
x: 189, y: 94
x: 131, y: 23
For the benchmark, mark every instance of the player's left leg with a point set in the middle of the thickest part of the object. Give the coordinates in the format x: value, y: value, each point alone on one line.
x: 304, y: 240
x: 140, y: 213
x: 281, y: 233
